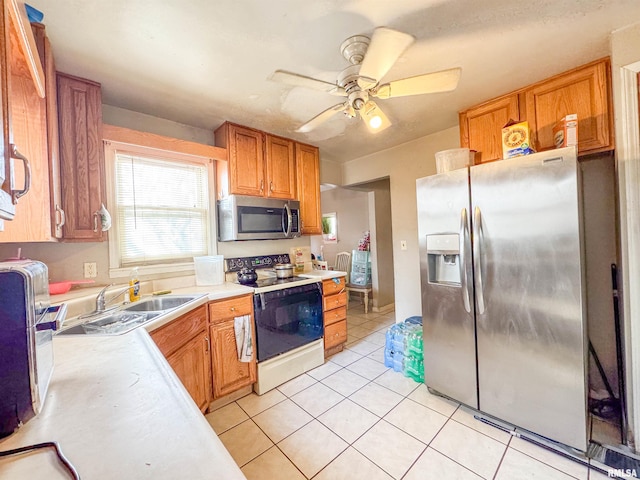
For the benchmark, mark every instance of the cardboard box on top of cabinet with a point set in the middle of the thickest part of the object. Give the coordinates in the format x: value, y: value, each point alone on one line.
x: 565, y: 131
x: 516, y: 139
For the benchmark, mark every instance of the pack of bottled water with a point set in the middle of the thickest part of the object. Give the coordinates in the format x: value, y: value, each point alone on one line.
x: 403, y: 349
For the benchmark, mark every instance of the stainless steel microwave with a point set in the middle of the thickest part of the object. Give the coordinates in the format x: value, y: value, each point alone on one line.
x: 254, y: 218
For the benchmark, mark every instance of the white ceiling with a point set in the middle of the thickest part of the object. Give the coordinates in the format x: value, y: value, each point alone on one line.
x: 201, y: 62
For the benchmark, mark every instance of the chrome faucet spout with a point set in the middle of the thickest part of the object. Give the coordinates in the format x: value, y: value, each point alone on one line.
x: 101, y: 302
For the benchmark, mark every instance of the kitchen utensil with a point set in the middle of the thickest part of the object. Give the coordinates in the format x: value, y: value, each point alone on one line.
x: 58, y: 288
x: 247, y: 276
x: 283, y: 270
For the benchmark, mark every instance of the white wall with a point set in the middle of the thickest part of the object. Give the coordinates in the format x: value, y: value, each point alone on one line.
x: 403, y: 165
x: 352, y: 211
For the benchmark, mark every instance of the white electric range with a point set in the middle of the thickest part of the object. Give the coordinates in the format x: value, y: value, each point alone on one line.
x: 288, y: 321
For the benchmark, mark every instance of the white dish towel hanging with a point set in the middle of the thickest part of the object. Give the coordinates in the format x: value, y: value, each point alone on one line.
x: 244, y: 339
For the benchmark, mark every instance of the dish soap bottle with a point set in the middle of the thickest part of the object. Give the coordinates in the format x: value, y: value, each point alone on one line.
x: 134, y: 286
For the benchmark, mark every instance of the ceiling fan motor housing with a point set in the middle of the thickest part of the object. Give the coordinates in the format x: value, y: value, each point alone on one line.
x: 354, y: 48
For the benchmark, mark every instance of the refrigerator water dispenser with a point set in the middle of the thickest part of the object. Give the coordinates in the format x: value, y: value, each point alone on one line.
x: 443, y: 253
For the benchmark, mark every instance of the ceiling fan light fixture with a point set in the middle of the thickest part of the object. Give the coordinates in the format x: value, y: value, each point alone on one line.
x: 375, y: 122
x: 374, y: 118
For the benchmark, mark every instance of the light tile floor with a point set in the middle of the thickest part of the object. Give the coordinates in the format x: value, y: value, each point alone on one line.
x: 353, y: 418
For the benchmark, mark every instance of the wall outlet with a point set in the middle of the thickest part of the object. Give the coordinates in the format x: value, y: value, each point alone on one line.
x: 403, y: 244
x: 90, y: 270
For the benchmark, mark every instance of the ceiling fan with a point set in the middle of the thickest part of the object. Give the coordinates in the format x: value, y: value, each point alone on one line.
x: 370, y: 59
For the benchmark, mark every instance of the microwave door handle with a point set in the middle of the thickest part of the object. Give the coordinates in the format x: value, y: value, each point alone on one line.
x: 287, y: 211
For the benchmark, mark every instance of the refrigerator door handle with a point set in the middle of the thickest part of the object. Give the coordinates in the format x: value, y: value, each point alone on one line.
x: 462, y: 264
x: 478, y: 242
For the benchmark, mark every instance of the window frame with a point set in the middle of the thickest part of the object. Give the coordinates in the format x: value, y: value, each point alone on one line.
x: 111, y: 149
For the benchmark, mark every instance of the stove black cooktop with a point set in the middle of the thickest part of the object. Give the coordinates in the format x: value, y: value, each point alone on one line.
x: 269, y: 281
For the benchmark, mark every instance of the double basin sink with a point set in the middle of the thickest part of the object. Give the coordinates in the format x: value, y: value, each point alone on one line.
x: 128, y: 317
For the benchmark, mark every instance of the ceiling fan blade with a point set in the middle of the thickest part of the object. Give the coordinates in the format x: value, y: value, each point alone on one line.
x: 385, y: 48
x: 322, y: 117
x: 298, y: 80
x: 374, y: 118
x: 436, y: 82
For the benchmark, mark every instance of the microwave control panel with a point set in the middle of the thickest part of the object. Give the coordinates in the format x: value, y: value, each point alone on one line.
x: 262, y: 261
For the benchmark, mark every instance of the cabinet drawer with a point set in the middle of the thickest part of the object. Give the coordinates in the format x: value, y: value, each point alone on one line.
x: 335, y: 315
x: 335, y: 334
x: 334, y: 301
x: 173, y: 335
x: 329, y: 287
x: 232, y: 307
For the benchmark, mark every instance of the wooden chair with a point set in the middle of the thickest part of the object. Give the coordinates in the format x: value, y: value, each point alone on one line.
x: 342, y: 263
x: 365, y: 290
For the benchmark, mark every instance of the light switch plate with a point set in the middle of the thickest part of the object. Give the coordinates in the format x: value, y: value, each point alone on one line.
x: 403, y: 244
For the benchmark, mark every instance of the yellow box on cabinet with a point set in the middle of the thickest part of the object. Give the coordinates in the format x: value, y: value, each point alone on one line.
x: 516, y: 140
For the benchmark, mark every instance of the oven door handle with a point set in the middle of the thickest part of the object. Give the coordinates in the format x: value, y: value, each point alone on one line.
x: 263, y: 304
x: 286, y: 214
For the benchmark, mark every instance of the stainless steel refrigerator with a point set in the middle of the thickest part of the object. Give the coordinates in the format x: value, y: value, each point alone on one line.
x: 503, y: 291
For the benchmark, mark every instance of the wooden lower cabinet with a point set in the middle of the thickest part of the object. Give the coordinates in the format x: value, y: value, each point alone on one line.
x: 191, y: 364
x: 229, y: 374
x: 185, y: 344
x: 334, y: 305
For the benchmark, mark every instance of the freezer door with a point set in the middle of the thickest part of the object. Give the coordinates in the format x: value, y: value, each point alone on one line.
x: 447, y: 281
x: 530, y: 312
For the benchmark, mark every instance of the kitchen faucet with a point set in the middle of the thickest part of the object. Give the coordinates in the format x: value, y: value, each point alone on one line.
x: 101, y: 303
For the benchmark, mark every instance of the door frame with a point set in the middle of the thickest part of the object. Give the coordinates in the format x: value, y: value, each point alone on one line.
x: 628, y: 165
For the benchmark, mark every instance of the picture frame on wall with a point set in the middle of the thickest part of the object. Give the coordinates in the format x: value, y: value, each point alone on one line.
x: 329, y: 227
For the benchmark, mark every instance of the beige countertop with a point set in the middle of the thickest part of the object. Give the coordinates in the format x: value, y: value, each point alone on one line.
x: 118, y: 410
x: 324, y: 274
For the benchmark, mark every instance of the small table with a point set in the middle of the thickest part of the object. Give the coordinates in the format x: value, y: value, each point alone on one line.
x: 365, y: 290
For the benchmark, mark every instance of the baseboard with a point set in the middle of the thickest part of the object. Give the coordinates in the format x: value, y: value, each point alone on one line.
x: 384, y: 309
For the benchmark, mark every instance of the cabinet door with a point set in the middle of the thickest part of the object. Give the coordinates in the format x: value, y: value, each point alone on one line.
x: 27, y: 122
x: 280, y: 167
x: 192, y: 366
x: 229, y: 374
x: 481, y: 126
x: 308, y: 176
x: 246, y: 161
x: 53, y: 148
x: 584, y: 91
x: 81, y: 157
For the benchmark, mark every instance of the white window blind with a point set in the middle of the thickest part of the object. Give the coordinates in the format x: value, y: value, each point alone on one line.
x: 162, y: 210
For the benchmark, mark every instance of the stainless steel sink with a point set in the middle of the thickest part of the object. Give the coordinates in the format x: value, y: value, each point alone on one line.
x: 130, y: 316
x: 112, y: 324
x: 158, y: 304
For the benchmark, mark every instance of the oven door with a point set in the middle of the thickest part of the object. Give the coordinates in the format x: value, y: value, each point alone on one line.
x: 287, y: 319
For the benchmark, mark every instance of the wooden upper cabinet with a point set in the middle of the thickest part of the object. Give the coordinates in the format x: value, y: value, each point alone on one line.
x: 53, y: 147
x: 260, y: 164
x: 308, y: 183
x: 584, y: 91
x: 481, y: 126
x: 280, y: 167
x: 81, y: 157
x: 24, y: 163
x: 243, y: 174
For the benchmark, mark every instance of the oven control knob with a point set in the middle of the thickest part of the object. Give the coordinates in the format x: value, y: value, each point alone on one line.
x: 267, y: 261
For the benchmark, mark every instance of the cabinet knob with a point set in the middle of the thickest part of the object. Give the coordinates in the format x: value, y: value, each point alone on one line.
x: 271, y: 187
x: 233, y: 309
x: 261, y: 185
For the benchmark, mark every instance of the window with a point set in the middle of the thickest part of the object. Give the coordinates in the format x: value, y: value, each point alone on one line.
x: 160, y: 208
